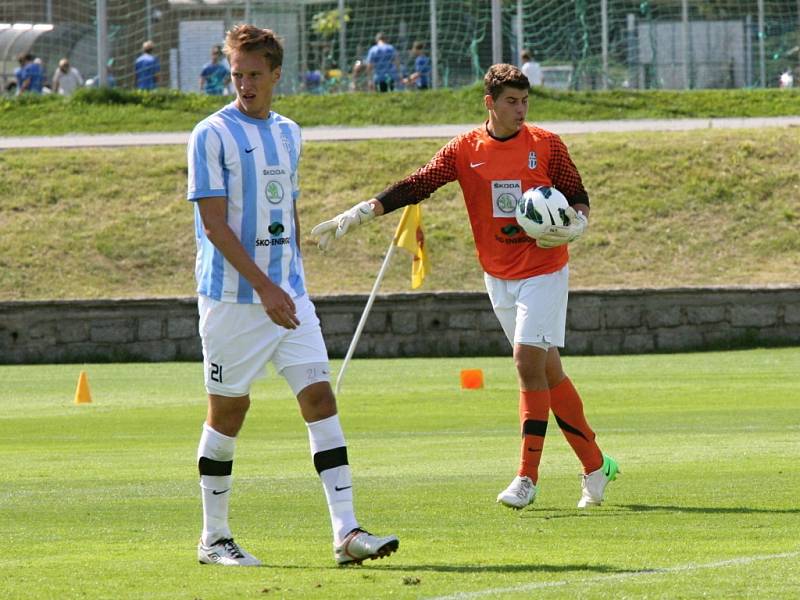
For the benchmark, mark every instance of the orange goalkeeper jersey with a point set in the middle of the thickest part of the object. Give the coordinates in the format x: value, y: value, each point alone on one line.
x: 493, y: 175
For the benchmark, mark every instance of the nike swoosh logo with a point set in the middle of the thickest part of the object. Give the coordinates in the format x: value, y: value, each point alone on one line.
x: 339, y: 489
x: 533, y: 450
x: 216, y: 493
x: 473, y: 165
x: 249, y: 150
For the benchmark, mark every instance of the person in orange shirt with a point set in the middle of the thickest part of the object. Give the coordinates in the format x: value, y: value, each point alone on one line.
x: 527, y: 279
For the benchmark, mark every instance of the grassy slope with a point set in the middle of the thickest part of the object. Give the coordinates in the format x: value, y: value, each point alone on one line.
x: 120, y: 111
x: 102, y: 500
x: 698, y: 208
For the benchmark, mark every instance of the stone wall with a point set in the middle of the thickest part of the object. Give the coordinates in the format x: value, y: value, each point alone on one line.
x: 419, y: 324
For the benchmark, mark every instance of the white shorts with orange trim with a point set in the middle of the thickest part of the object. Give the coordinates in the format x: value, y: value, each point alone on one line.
x: 531, y: 311
x: 240, y: 339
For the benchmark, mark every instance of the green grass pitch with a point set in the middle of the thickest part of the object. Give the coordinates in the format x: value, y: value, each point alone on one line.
x: 101, y: 500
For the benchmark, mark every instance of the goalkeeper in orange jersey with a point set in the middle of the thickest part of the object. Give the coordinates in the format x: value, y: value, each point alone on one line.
x: 527, y: 279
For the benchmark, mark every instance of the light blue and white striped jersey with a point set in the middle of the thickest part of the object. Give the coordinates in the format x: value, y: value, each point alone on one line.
x: 253, y: 163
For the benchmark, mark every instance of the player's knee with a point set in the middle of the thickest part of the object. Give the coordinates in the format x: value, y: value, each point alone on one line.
x: 555, y: 375
x: 317, y: 402
x: 553, y: 369
x: 530, y: 364
x: 226, y: 415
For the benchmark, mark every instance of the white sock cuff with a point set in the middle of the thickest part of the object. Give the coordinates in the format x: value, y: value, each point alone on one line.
x: 216, y: 482
x: 215, y: 445
x: 325, y: 434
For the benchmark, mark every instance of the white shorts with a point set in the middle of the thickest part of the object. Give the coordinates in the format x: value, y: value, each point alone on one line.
x: 531, y: 311
x: 240, y: 339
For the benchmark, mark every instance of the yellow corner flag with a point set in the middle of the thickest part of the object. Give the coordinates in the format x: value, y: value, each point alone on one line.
x: 409, y: 236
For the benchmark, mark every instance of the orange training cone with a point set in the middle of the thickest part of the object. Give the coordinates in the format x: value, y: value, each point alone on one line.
x: 471, y: 379
x: 82, y: 394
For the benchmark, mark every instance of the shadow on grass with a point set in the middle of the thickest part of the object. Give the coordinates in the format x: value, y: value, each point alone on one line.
x: 531, y: 568
x: 617, y: 510
x: 721, y: 510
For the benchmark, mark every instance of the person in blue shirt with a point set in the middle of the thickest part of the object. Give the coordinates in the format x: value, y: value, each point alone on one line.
x: 16, y: 87
x: 215, y: 76
x: 421, y: 77
x: 32, y: 76
x: 382, y: 65
x: 147, y: 68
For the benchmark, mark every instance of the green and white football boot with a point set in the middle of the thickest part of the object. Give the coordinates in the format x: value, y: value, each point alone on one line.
x: 593, y: 485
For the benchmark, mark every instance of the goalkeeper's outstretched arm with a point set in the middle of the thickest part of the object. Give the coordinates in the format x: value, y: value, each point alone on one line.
x: 441, y: 169
x: 334, y: 228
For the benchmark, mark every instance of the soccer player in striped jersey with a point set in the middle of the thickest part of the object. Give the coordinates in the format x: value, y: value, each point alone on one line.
x: 527, y: 279
x: 252, y: 299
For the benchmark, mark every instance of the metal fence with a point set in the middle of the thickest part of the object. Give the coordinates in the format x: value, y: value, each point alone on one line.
x: 582, y: 44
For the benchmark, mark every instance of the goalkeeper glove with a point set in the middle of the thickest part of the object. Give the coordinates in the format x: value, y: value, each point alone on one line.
x: 335, y: 228
x: 558, y: 236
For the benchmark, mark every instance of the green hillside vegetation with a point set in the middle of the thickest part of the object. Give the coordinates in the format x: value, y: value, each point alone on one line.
x: 669, y: 209
x: 113, y: 110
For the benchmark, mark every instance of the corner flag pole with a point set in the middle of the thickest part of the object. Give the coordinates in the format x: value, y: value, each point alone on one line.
x: 365, y: 314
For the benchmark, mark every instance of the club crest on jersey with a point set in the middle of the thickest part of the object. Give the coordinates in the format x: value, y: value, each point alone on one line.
x: 274, y: 192
x: 531, y: 160
x: 287, y: 145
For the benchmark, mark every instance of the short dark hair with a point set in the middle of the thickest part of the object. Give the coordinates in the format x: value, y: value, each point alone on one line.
x: 504, y: 75
x: 418, y: 46
x: 249, y: 38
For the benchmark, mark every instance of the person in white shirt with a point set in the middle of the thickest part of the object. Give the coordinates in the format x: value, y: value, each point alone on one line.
x: 66, y: 78
x: 252, y: 299
x: 532, y: 69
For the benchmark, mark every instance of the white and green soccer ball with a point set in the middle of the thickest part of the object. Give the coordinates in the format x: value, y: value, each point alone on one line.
x: 541, y: 209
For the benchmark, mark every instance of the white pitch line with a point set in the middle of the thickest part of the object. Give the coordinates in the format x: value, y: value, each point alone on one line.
x: 526, y: 587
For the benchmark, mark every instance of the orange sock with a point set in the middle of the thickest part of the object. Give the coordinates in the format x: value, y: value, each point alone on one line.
x: 568, y: 409
x: 534, y: 409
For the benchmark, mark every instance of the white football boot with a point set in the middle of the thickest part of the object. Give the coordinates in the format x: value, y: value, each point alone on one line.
x: 225, y: 552
x: 519, y: 494
x: 593, y: 485
x: 360, y: 545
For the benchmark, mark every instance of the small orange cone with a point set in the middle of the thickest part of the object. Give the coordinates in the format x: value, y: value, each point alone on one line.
x: 471, y: 379
x: 82, y: 393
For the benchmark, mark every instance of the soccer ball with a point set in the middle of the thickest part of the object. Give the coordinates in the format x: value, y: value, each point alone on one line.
x: 541, y: 209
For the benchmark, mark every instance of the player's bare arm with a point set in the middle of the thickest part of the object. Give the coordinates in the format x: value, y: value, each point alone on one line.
x: 278, y: 305
x: 377, y: 207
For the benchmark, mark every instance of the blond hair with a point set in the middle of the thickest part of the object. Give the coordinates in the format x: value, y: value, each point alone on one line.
x: 249, y: 38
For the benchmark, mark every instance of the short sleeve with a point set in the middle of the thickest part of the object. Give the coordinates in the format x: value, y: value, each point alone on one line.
x: 205, y: 157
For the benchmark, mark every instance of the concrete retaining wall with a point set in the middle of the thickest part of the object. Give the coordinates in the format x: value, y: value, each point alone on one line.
x: 421, y: 324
